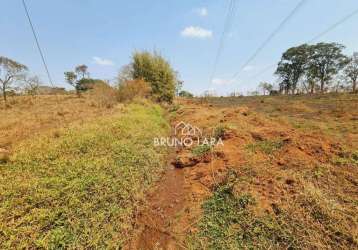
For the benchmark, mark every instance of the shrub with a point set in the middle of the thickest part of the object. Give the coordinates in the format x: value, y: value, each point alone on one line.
x: 88, y: 83
x: 185, y: 94
x: 103, y: 95
x: 219, y: 132
x: 131, y: 89
x: 154, y: 69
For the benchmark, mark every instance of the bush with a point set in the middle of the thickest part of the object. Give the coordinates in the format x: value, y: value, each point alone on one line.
x: 186, y: 94
x: 103, y: 95
x: 154, y: 69
x: 131, y: 89
x: 88, y: 83
x: 219, y: 132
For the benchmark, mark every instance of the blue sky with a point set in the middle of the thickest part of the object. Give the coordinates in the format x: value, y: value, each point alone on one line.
x: 103, y: 34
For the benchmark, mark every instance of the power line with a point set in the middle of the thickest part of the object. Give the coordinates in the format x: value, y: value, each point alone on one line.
x: 270, y: 37
x: 37, y: 43
x: 329, y: 29
x: 227, y: 25
x: 335, y: 25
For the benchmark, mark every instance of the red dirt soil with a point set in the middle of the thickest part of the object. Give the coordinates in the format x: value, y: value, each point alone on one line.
x: 174, y: 206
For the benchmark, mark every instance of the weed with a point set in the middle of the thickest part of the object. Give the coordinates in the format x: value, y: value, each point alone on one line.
x: 228, y: 222
x: 266, y: 146
x: 201, y: 150
x: 219, y: 132
x: 346, y: 158
x: 174, y: 107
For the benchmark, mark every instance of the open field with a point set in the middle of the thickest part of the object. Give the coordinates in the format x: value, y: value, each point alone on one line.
x: 28, y: 116
x: 181, y: 125
x: 286, y: 175
x: 332, y: 114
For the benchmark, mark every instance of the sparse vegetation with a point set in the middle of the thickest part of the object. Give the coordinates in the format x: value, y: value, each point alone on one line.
x: 229, y: 222
x: 266, y: 146
x: 299, y: 184
x: 83, y: 173
x: 219, y: 132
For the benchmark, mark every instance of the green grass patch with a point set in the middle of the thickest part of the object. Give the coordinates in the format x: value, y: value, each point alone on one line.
x: 346, y: 159
x: 201, y: 150
x: 81, y: 190
x: 219, y: 132
x: 228, y: 222
x: 266, y: 146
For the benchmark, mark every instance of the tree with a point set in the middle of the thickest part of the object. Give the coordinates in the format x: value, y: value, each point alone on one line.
x: 71, y: 79
x: 154, y: 69
x: 253, y: 93
x: 178, y: 88
x: 266, y: 87
x: 10, y: 71
x: 185, y: 94
x: 79, y: 78
x: 125, y: 74
x: 293, y: 66
x: 81, y: 71
x: 351, y: 70
x: 32, y: 85
x: 285, y: 73
x: 325, y: 61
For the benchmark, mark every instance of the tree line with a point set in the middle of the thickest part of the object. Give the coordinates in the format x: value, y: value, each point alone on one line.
x: 315, y: 68
x: 147, y: 75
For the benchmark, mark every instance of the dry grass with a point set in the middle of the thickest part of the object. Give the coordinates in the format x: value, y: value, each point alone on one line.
x: 27, y: 116
x: 133, y: 89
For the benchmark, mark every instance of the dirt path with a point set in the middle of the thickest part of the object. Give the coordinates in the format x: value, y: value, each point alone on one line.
x: 174, y: 204
x: 155, y: 222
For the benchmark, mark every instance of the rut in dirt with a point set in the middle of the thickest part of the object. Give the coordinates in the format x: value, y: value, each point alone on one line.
x: 154, y: 224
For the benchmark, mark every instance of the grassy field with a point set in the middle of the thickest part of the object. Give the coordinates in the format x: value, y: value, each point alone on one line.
x: 78, y: 174
x: 27, y: 116
x: 81, y: 186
